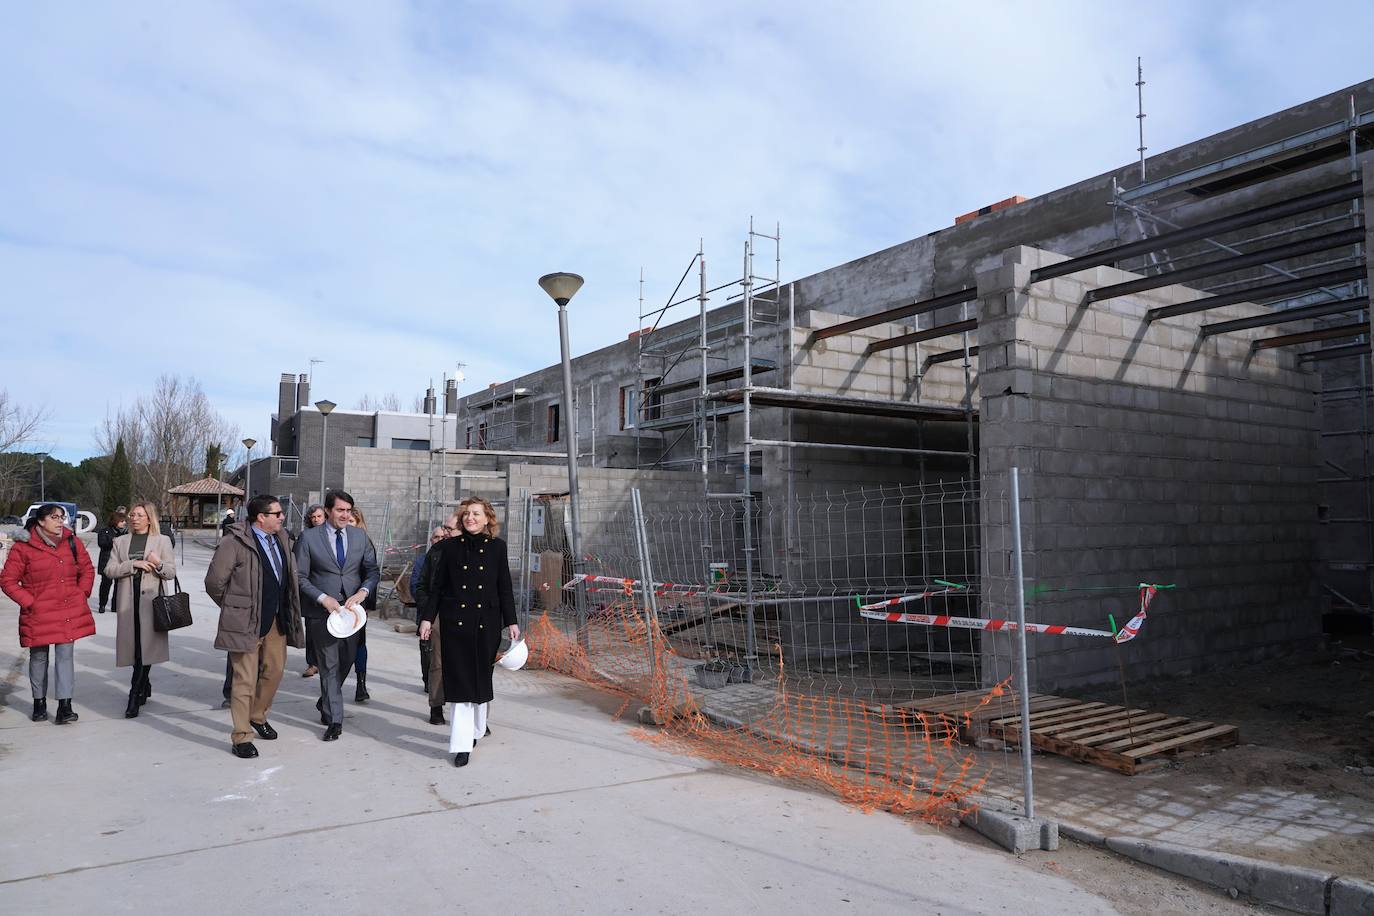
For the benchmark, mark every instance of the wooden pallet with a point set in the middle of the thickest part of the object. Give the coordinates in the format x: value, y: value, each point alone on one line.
x: 1126, y: 740
x: 969, y: 712
x: 1129, y: 741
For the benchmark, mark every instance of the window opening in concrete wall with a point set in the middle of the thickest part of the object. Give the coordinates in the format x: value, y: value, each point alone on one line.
x: 553, y: 430
x: 415, y: 445
x: 482, y: 435
x: 363, y: 441
x: 288, y: 467
x: 629, y: 406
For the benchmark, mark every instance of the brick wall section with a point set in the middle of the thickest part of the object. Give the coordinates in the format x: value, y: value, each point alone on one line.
x: 1149, y: 454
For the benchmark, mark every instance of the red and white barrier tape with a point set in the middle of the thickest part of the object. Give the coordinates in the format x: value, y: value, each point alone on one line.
x: 1130, y: 631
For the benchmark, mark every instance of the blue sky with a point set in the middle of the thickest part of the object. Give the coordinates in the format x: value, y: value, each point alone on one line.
x: 227, y: 190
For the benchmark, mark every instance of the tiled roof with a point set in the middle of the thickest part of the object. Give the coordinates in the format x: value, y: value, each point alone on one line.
x: 206, y: 486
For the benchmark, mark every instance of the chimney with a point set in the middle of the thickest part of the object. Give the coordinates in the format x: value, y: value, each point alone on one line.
x: 431, y: 401
x: 303, y: 392
x: 286, y: 409
x: 451, y: 396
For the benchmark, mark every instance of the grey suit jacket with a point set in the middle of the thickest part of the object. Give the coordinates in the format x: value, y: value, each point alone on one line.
x: 317, y: 567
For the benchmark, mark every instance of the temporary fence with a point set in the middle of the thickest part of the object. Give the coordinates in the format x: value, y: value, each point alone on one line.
x: 812, y: 649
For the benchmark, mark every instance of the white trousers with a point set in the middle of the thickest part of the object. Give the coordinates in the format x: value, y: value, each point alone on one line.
x: 467, y: 722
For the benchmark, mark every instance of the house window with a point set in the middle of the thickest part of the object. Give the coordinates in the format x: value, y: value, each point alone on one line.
x: 653, y: 401
x: 553, y: 423
x: 482, y: 436
x: 414, y: 445
x: 363, y: 441
x: 469, y: 438
x: 629, y: 406
x: 288, y: 467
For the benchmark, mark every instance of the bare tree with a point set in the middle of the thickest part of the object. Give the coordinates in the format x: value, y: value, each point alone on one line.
x: 168, y: 434
x: 18, y: 425
x: 391, y: 402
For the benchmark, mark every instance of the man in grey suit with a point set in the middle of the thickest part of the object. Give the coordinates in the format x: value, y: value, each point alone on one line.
x: 336, y: 565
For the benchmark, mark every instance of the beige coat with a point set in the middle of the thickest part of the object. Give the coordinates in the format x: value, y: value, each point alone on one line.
x: 121, y: 569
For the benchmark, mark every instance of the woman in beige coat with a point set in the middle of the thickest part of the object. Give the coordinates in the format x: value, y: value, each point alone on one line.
x: 139, y: 562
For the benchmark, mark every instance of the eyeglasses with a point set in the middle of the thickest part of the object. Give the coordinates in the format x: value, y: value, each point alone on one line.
x: 449, y: 528
x: 278, y: 512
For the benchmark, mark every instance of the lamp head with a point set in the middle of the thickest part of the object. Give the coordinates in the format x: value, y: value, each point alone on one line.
x: 249, y: 443
x: 325, y: 407
x: 561, y: 286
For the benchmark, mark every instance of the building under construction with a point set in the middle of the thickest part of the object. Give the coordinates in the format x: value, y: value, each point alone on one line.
x: 1175, y: 353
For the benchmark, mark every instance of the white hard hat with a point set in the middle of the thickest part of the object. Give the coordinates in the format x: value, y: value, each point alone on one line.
x: 515, y: 656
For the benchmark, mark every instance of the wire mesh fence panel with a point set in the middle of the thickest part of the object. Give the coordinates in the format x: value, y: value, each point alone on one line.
x: 769, y: 654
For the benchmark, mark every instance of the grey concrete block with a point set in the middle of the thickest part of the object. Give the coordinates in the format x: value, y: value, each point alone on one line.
x: 1302, y: 890
x: 1352, y: 897
x: 1013, y: 832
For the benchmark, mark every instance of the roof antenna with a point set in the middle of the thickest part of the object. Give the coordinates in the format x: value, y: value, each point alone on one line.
x: 1140, y: 114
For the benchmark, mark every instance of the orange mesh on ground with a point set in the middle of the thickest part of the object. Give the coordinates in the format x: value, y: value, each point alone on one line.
x: 835, y: 742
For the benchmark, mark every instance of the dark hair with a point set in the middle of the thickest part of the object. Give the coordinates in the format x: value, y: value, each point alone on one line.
x: 336, y: 495
x: 117, y: 518
x: 311, y: 511
x: 260, y: 505
x: 41, y: 513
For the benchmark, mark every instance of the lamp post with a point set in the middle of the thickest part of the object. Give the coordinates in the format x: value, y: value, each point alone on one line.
x: 325, y: 408
x: 248, y: 469
x: 43, y: 478
x: 561, y: 287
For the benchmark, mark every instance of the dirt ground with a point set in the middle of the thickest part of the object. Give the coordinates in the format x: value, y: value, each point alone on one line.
x: 1306, y: 722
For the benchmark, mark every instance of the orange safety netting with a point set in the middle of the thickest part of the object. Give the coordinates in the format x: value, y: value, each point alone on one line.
x: 844, y: 744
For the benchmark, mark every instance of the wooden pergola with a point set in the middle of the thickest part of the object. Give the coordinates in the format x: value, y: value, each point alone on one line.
x: 195, y: 504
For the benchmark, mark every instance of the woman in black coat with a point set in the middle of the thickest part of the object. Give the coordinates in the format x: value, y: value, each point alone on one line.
x: 105, y: 537
x: 473, y: 601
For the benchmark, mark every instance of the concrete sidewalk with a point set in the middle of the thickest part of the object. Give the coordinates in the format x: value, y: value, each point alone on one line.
x: 562, y: 810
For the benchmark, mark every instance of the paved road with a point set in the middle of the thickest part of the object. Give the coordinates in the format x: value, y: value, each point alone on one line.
x: 563, y: 809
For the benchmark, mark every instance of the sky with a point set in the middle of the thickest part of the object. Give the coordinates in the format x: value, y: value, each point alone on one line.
x: 230, y: 190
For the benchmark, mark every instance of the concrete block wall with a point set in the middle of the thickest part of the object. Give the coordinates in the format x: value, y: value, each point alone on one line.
x: 1150, y: 455
x: 842, y: 365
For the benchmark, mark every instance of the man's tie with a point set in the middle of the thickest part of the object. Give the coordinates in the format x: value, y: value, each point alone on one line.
x: 272, y: 555
x: 338, y: 547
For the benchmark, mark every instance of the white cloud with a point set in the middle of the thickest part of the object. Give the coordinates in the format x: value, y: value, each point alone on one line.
x: 235, y: 188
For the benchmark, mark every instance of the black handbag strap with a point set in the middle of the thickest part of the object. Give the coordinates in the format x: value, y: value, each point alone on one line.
x: 162, y: 584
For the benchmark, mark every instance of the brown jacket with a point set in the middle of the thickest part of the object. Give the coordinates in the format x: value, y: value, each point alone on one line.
x: 234, y: 582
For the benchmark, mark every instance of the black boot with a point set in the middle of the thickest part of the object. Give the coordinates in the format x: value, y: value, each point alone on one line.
x: 40, y: 709
x: 147, y: 684
x: 361, y: 695
x: 65, y: 713
x: 135, y: 695
x: 436, y: 716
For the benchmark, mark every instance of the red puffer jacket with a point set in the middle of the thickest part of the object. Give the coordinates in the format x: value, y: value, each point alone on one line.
x: 51, y: 587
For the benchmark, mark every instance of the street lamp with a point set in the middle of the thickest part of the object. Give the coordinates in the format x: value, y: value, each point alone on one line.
x: 43, y: 479
x: 561, y: 287
x: 248, y: 469
x: 325, y: 408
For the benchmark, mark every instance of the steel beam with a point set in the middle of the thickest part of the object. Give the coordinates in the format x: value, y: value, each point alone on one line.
x: 950, y: 356
x: 1226, y: 265
x: 1335, y: 195
x: 941, y: 330
x: 1284, y: 316
x: 896, y: 314
x: 1338, y: 332
x: 1253, y: 293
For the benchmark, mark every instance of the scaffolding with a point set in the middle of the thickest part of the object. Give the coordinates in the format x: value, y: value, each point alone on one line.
x: 693, y: 379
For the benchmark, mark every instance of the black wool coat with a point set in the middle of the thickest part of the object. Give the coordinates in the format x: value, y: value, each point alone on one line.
x: 470, y: 594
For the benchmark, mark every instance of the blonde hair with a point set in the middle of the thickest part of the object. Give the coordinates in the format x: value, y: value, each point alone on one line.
x: 154, y: 530
x: 359, y: 518
x: 493, y: 526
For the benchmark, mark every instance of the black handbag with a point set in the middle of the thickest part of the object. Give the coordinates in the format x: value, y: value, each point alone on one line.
x: 171, y: 612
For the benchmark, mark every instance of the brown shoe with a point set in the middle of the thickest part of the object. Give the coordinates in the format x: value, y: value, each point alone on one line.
x: 310, y: 672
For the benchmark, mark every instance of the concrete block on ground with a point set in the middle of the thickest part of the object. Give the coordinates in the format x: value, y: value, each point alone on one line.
x: 1352, y: 897
x: 1302, y: 890
x: 1012, y: 832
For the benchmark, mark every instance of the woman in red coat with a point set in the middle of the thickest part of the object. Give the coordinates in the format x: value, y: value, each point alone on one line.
x: 49, y: 575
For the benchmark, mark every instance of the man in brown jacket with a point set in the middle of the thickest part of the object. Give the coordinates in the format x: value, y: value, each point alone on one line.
x: 252, y: 577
